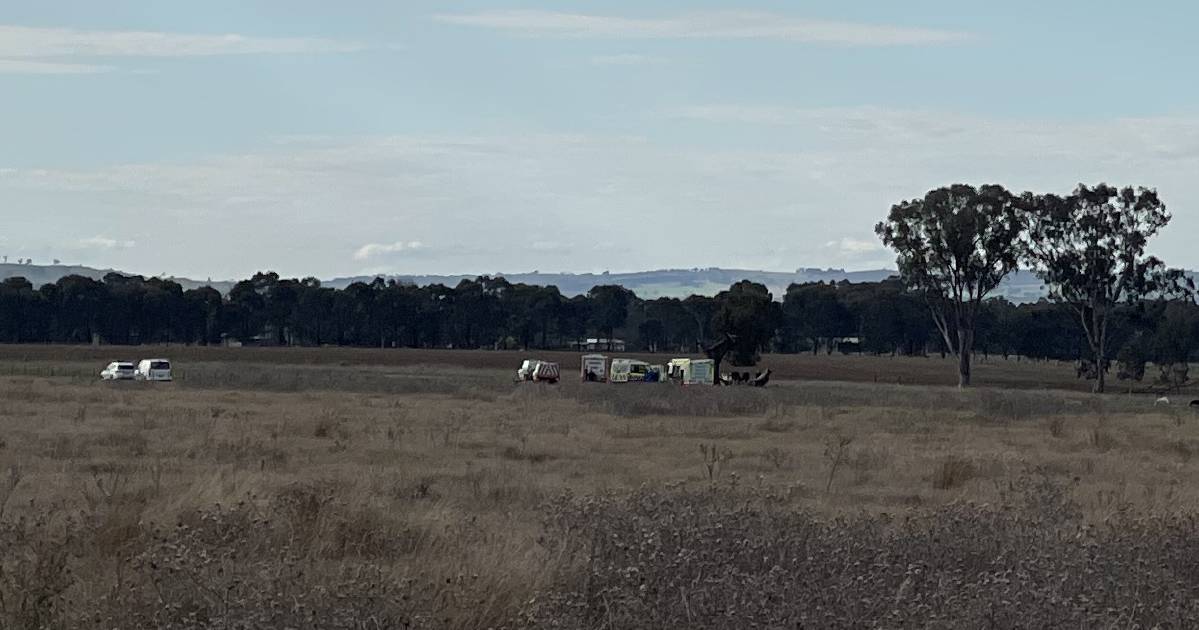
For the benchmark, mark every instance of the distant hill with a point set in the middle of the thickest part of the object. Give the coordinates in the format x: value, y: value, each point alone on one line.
x: 653, y: 284
x: 1020, y: 287
x: 38, y: 275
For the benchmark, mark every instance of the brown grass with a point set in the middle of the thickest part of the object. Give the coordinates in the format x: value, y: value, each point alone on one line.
x: 365, y: 495
x: 952, y: 472
x: 719, y: 559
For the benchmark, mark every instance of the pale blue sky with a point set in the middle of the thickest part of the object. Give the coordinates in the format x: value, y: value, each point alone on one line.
x: 223, y: 137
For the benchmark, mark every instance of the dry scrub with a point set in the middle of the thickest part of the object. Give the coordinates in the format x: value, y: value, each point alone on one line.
x: 368, y: 496
x: 721, y: 558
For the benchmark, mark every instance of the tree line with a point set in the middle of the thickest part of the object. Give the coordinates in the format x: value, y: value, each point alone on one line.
x: 1108, y: 299
x: 875, y: 318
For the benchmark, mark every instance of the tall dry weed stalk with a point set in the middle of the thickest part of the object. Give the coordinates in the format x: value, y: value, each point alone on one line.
x: 836, y: 451
x: 714, y: 459
x: 1101, y: 440
x: 9, y: 486
x: 775, y: 456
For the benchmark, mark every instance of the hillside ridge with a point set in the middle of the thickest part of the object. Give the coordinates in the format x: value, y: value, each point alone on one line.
x: 1022, y: 286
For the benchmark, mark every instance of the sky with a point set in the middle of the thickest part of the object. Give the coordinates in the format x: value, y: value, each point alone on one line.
x: 216, y: 139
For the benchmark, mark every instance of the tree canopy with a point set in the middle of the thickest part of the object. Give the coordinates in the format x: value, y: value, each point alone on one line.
x: 1090, y: 248
x: 955, y: 245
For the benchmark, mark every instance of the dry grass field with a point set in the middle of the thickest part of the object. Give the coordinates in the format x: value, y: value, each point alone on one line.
x: 988, y: 371
x: 389, y: 489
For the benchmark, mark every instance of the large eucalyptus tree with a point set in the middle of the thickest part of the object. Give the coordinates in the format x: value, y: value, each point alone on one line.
x: 1090, y: 249
x: 955, y: 245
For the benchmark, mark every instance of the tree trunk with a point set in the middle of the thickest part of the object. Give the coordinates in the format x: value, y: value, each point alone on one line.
x: 965, y: 347
x: 1099, y: 348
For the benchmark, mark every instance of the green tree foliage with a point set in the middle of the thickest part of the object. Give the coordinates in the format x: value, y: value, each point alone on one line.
x: 1090, y: 249
x: 679, y: 328
x: 476, y: 313
x: 1048, y: 331
x: 573, y: 318
x: 702, y: 309
x: 885, y: 317
x: 81, y: 305
x: 203, y: 314
x: 20, y: 310
x: 816, y: 313
x: 609, y: 309
x: 747, y: 311
x: 955, y: 246
x: 1131, y: 360
x: 652, y: 333
x: 1176, y: 334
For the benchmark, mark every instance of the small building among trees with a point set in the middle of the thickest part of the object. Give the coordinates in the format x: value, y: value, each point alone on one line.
x: 597, y: 345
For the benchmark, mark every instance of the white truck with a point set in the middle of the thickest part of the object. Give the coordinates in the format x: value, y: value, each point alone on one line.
x: 691, y: 371
x: 594, y: 368
x: 538, y: 371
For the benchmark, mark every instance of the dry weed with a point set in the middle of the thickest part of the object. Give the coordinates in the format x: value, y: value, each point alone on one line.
x: 952, y: 472
x: 1101, y: 440
x: 646, y: 561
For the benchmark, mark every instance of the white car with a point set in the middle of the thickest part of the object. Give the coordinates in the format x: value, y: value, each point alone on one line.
x: 118, y: 371
x: 153, y: 370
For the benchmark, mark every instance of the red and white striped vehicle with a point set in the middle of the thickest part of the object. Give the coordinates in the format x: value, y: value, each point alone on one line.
x: 539, y: 371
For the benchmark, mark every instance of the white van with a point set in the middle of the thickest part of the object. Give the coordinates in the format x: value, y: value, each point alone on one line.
x: 633, y: 371
x: 153, y: 370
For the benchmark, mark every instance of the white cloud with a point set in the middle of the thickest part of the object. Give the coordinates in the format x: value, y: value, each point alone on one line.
x: 22, y: 66
x: 855, y: 246
x: 552, y: 247
x: 375, y: 250
x: 627, y: 59
x: 18, y: 42
x: 804, y: 190
x: 863, y: 121
x: 103, y: 243
x: 704, y: 25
